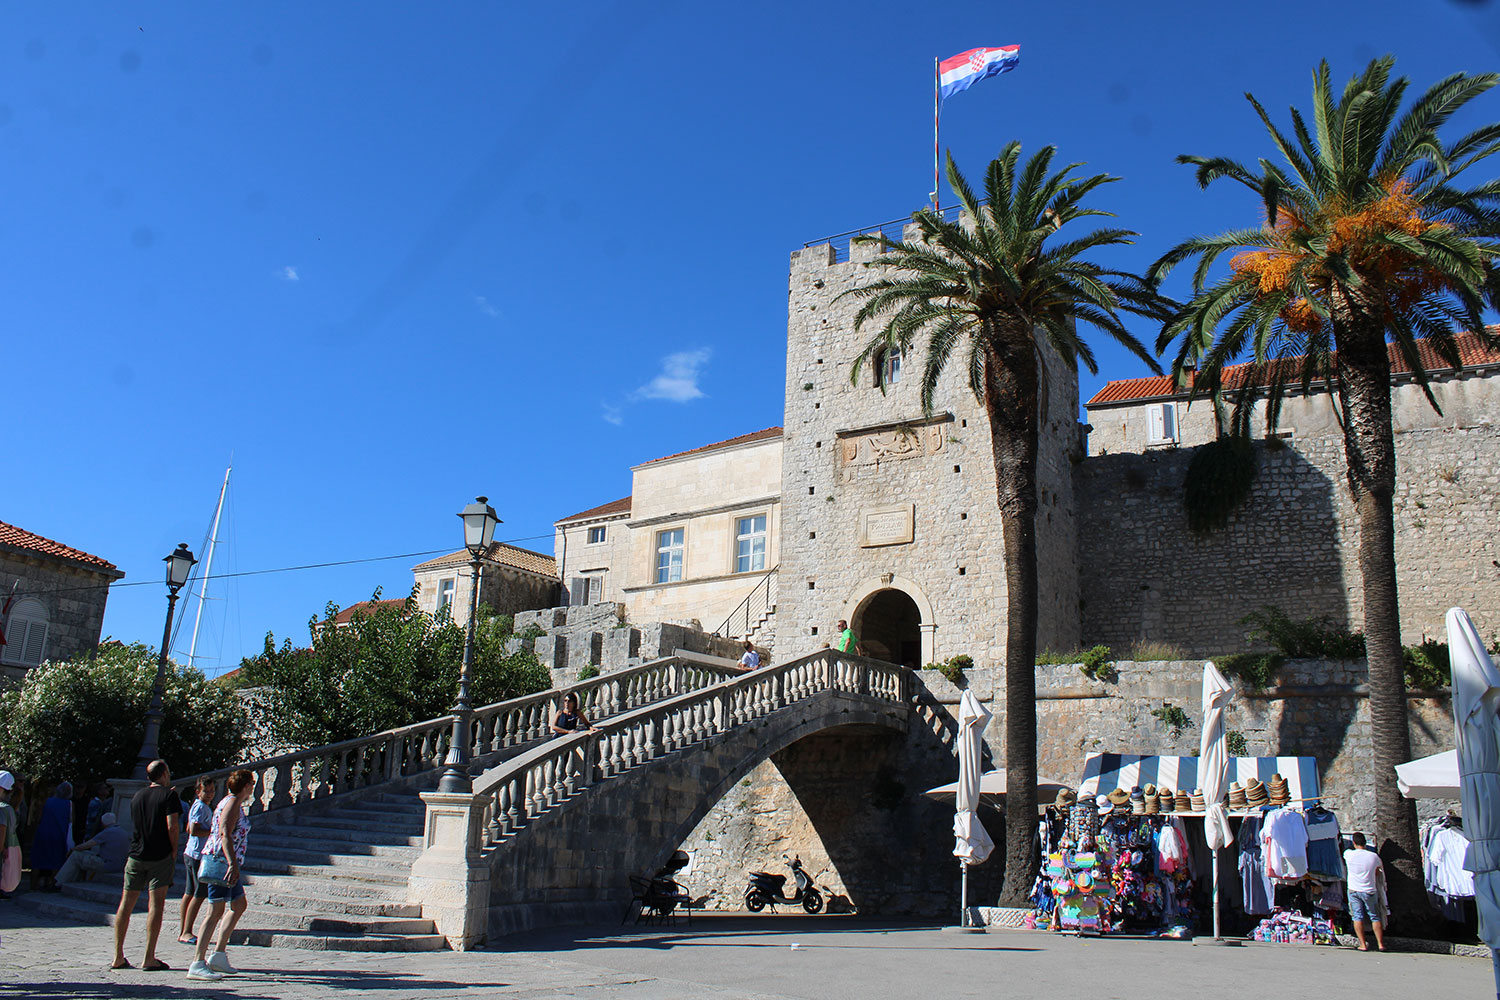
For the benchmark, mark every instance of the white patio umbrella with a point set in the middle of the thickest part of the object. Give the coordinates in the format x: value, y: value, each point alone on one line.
x: 973, y: 843
x: 1476, y: 700
x: 1434, y: 777
x: 1213, y: 769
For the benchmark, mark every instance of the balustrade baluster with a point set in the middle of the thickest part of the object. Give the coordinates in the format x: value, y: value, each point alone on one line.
x: 512, y: 811
x: 571, y: 764
x: 557, y: 771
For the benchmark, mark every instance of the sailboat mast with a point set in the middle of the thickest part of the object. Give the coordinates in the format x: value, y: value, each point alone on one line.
x: 208, y: 567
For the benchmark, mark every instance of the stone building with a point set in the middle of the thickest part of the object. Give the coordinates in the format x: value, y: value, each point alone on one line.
x: 54, y: 597
x: 512, y: 579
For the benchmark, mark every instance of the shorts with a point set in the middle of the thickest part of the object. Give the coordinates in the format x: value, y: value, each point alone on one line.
x: 151, y: 875
x: 1362, y: 906
x: 223, y: 893
x: 190, y: 870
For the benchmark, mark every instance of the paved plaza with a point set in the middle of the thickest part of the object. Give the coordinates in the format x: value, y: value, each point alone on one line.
x: 734, y: 957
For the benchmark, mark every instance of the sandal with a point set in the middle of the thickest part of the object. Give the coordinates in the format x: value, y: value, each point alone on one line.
x: 156, y: 966
x: 122, y: 964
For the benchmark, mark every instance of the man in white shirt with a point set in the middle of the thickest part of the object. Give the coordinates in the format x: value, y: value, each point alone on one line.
x: 751, y: 659
x: 1364, y: 872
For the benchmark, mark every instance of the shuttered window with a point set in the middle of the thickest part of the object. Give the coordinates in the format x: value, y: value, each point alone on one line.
x: 26, y: 633
x: 1162, y: 423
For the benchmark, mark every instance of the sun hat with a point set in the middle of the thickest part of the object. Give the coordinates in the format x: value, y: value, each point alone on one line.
x: 1167, y: 800
x: 1198, y: 804
x: 1137, y: 801
x: 1236, y: 796
x: 7, y: 780
x: 1149, y: 791
x: 1065, y: 797
x: 1104, y: 804
x: 1255, y: 793
x: 1182, y: 803
x: 1280, y: 792
x: 108, y: 819
x: 1118, y: 797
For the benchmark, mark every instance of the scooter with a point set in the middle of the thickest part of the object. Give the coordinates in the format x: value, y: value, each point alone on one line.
x: 765, y: 889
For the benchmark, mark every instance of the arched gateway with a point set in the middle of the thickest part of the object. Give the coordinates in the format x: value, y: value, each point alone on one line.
x: 894, y: 620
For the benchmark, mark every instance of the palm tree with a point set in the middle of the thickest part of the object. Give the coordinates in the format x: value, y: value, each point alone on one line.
x: 991, y: 287
x: 1367, y: 244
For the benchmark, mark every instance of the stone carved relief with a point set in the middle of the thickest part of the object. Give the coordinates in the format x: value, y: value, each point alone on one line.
x: 893, y: 444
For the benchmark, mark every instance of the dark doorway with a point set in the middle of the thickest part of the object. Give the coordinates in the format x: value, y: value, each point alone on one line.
x: 889, y: 625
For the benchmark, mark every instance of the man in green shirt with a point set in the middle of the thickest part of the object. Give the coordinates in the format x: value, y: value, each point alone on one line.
x: 846, y: 643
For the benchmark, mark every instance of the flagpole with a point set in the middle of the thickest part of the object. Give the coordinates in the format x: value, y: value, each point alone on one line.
x: 936, y: 86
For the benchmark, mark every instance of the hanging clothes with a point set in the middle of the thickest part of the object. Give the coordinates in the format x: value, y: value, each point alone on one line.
x: 1284, y: 835
x: 1171, y: 849
x: 1253, y: 881
x: 1324, y: 858
x: 1449, y: 884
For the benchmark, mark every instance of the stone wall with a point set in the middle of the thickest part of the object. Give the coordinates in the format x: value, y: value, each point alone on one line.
x: 578, y: 557
x: 72, y: 597
x: 505, y: 589
x: 1293, y: 544
x: 598, y: 635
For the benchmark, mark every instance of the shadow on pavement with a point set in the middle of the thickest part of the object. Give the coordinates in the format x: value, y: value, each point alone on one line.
x: 263, y: 986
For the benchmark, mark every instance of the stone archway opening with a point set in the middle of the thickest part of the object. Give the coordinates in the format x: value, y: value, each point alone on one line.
x: 889, y: 624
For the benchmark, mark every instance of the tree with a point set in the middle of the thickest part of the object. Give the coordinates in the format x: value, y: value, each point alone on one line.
x: 83, y: 719
x: 992, y: 288
x: 1367, y: 244
x: 389, y: 667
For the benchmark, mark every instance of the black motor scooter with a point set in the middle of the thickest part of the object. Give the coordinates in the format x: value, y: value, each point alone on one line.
x: 766, y: 889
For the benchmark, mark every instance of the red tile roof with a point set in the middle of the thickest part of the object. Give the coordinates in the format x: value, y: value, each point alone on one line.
x: 366, y: 608
x: 1473, y: 352
x: 19, y: 538
x: 499, y: 552
x: 620, y: 506
x: 765, y: 435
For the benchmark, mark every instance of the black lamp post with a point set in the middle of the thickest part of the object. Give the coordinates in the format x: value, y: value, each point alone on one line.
x: 479, y: 531
x: 179, y: 565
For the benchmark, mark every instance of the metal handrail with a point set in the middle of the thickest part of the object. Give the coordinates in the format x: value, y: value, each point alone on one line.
x: 532, y: 783
x: 318, y: 772
x: 891, y: 230
x: 766, y: 582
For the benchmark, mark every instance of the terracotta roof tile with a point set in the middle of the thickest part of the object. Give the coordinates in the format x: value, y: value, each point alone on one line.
x: 346, y: 615
x: 765, y: 435
x: 1473, y: 352
x: 500, y: 552
x: 20, y: 538
x: 620, y: 506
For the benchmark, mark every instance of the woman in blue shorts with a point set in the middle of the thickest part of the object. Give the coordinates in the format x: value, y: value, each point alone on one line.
x: 228, y: 836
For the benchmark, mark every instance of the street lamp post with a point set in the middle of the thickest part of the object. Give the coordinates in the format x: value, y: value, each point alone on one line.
x: 179, y: 564
x: 479, y: 531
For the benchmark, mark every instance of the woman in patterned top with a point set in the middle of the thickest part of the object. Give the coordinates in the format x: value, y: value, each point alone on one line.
x: 228, y: 836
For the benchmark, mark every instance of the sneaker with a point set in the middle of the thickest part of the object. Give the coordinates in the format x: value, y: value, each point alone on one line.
x: 219, y: 962
x: 200, y: 970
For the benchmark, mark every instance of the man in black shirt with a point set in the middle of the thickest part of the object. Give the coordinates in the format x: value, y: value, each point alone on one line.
x: 156, y: 820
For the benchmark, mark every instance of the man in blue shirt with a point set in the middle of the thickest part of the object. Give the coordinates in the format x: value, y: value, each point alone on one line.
x: 102, y: 855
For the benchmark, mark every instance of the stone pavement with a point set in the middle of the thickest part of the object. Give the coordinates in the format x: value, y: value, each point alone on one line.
x: 737, y: 957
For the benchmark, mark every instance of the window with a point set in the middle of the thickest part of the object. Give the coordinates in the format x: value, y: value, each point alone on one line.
x: 586, y: 590
x: 445, y: 594
x: 1162, y: 424
x: 597, y: 535
x: 669, y: 556
x: 888, y: 366
x: 750, y: 544
x: 25, y: 633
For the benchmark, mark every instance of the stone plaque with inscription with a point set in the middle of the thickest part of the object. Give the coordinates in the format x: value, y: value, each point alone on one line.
x: 893, y: 525
x: 877, y: 446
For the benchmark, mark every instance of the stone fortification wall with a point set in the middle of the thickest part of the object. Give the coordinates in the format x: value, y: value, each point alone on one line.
x: 875, y: 494
x: 1293, y: 544
x: 598, y: 635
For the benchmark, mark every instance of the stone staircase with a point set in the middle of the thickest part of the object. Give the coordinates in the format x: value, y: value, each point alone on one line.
x: 335, y: 830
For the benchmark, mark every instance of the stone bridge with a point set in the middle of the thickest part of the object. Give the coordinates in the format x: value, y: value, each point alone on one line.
x: 549, y: 836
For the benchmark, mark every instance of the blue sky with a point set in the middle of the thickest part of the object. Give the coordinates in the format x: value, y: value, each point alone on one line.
x: 389, y: 256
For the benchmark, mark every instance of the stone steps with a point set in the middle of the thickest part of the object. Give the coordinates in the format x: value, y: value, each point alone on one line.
x: 339, y: 855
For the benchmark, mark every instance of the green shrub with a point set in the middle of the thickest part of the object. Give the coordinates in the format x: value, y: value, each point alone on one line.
x: 1095, y: 664
x: 1050, y: 657
x: 1427, y: 665
x: 1234, y: 743
x: 1146, y: 650
x: 1173, y: 717
x: 588, y: 672
x: 1257, y: 670
x: 1308, y: 639
x: 953, y: 668
x: 83, y: 719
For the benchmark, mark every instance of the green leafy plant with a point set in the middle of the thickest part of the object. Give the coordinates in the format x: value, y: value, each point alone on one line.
x: 953, y: 668
x: 1308, y: 639
x: 1218, y: 481
x: 82, y: 718
x: 1146, y: 650
x: 588, y: 672
x: 1173, y: 717
x: 1235, y: 745
x: 1096, y: 665
x: 1257, y: 670
x: 1427, y: 665
x: 531, y: 633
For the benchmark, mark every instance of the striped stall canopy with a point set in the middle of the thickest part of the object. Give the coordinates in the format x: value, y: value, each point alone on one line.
x: 1104, y: 772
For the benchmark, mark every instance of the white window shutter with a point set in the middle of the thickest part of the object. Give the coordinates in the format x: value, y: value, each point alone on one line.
x: 578, y: 591
x: 1169, y: 421
x: 1154, y: 434
x: 36, y: 642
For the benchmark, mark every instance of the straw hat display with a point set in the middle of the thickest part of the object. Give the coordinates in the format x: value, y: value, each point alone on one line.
x: 1066, y: 797
x: 1118, y: 797
x: 1167, y: 800
x: 1183, y: 804
x: 1255, y: 793
x: 1137, y: 802
x: 1197, y: 801
x: 1280, y: 793
x: 1152, y: 804
x: 1236, y: 796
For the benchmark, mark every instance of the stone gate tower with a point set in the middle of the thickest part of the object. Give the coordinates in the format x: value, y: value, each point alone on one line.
x: 889, y: 518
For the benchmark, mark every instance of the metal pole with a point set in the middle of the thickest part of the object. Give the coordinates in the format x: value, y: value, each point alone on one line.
x: 963, y: 896
x: 936, y: 88
x: 1495, y: 962
x: 1217, y: 935
x: 208, y: 568
x: 154, y: 709
x: 456, y: 772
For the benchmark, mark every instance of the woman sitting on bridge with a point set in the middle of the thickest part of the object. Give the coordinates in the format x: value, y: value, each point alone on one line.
x: 571, y: 718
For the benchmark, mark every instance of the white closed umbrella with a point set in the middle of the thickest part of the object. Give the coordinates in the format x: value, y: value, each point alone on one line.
x: 973, y: 843
x: 1213, y: 769
x: 1476, y: 700
x: 1434, y: 777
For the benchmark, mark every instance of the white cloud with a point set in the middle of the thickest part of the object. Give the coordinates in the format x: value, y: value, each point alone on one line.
x: 678, y: 380
x: 486, y: 307
x: 613, y: 414
x: 289, y: 273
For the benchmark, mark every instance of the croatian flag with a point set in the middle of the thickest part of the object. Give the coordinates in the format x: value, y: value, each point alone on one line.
x: 968, y: 68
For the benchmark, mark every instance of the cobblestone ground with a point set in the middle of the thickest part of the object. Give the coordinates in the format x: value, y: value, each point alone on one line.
x: 738, y: 958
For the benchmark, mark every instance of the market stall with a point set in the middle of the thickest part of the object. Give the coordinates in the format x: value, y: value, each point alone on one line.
x: 1134, y: 832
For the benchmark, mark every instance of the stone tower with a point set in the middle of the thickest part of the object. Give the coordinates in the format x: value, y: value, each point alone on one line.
x: 889, y: 518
